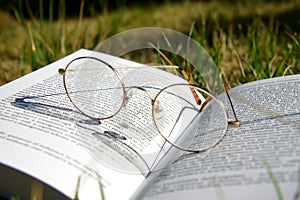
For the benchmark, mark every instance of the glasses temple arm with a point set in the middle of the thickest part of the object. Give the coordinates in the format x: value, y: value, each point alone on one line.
x: 186, y: 77
x: 195, y: 94
x: 235, y: 122
x: 182, y: 72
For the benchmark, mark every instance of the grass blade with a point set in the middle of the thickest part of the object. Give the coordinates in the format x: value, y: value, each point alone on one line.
x: 274, y: 181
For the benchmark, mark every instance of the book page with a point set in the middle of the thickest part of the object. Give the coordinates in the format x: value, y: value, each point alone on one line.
x: 258, y: 160
x: 44, y: 136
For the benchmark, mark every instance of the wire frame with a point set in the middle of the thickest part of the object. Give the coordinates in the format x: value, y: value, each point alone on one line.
x: 182, y: 113
x: 189, y: 117
x: 77, y: 82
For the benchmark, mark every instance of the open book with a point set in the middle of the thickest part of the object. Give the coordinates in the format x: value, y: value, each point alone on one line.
x: 49, y: 149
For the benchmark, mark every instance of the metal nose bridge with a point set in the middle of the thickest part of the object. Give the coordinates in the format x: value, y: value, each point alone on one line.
x: 128, y: 95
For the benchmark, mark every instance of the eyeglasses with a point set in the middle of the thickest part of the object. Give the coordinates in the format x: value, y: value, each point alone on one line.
x: 185, y: 115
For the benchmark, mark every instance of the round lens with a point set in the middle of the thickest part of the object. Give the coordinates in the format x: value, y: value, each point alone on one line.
x: 94, y: 87
x: 189, y: 118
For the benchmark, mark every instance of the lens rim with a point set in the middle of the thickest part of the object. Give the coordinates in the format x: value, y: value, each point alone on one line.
x: 207, y: 93
x: 111, y: 68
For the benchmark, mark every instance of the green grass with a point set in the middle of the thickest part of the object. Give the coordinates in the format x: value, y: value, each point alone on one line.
x: 274, y: 181
x: 248, y: 41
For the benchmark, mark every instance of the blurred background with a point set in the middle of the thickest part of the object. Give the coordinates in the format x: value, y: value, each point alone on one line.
x: 248, y: 40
